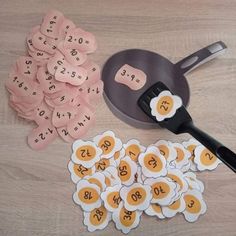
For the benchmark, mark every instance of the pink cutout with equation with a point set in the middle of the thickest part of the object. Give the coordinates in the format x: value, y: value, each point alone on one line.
x: 64, y: 134
x: 57, y: 85
x: 51, y: 24
x: 47, y: 81
x: 82, y: 123
x: 63, y: 115
x: 134, y: 78
x: 42, y: 136
x: 27, y: 67
x: 81, y: 40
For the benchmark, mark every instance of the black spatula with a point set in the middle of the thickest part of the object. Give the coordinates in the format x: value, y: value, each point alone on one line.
x: 182, y: 122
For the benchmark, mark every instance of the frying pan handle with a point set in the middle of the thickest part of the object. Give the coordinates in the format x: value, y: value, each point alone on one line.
x: 223, y: 153
x: 200, y: 57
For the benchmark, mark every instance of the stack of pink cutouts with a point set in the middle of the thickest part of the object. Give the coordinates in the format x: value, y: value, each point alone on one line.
x: 58, y: 85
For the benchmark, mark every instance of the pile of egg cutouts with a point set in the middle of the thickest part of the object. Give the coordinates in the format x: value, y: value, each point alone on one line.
x: 119, y: 182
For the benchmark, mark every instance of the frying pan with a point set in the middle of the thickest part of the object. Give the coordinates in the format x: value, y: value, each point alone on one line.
x: 123, y: 101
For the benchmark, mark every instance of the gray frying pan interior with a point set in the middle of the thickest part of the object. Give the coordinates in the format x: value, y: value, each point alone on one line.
x: 122, y: 101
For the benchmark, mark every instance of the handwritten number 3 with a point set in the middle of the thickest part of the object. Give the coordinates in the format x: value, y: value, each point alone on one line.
x: 190, y: 205
x: 127, y: 215
x: 123, y: 73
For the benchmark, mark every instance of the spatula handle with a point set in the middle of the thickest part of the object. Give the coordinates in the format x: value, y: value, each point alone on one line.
x: 223, y: 153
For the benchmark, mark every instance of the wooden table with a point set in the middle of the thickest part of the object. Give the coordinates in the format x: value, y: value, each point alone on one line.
x: 35, y: 187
